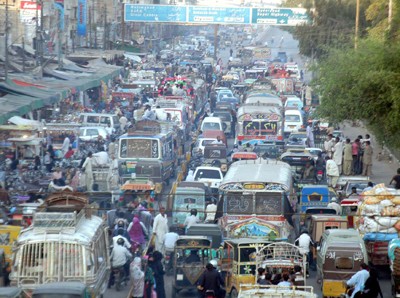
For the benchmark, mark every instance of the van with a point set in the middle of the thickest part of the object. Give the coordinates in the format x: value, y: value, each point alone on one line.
x: 92, y: 133
x: 212, y: 123
x: 98, y: 119
x: 293, y: 121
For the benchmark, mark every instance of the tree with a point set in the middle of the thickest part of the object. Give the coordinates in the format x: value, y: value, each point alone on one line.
x: 363, y: 84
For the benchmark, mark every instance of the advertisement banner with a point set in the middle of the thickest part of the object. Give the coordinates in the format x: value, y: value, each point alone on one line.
x: 60, y: 7
x: 28, y: 11
x: 82, y: 16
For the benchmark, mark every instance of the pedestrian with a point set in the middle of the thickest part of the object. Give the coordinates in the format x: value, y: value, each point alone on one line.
x: 355, y: 151
x: 137, y: 232
x: 87, y: 167
x: 332, y: 172
x: 110, y: 130
x: 328, y: 145
x: 310, y: 135
x: 367, y: 159
x: 122, y: 122
x: 396, y: 178
x: 211, y: 280
x: 137, y: 279
x: 192, y: 219
x: 160, y: 228
x: 37, y: 163
x: 371, y: 287
x: 65, y: 145
x: 158, y: 272
x: 347, y: 158
x: 148, y: 279
x: 48, y: 162
x: 338, y: 153
x: 358, y: 280
x: 231, y: 52
x: 211, y: 209
x: 69, y: 153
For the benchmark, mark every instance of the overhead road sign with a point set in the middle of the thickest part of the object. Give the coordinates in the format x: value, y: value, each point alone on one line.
x: 155, y: 13
x: 279, y: 16
x: 215, y: 15
x: 218, y: 15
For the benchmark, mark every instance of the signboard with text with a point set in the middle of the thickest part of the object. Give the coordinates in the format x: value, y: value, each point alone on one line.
x: 218, y: 15
x: 215, y: 15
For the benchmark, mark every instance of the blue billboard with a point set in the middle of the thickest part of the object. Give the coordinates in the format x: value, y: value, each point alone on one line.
x: 218, y: 15
x: 82, y: 15
x: 155, y: 13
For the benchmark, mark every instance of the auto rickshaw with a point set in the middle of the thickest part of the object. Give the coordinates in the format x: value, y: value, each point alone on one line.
x: 339, y: 256
x: 319, y: 223
x: 192, y: 253
x: 238, y: 263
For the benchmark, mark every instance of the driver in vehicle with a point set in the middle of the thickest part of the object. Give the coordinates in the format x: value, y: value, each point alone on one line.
x: 193, y: 257
x: 308, y: 170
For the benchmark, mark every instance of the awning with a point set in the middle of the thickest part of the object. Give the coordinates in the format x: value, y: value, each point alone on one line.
x: 17, y: 105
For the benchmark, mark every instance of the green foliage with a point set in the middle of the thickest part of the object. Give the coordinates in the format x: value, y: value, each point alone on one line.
x: 363, y: 84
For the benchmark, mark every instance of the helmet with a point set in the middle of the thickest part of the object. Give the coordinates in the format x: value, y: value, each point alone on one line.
x: 120, y: 241
x: 334, y: 199
x: 214, y: 263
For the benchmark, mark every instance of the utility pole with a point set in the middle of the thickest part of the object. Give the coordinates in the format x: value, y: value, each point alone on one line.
x: 357, y: 24
x: 216, y: 27
x: 95, y: 22
x: 90, y: 28
x: 123, y: 26
x: 105, y: 28
x: 390, y: 15
x: 6, y: 45
x: 23, y: 54
x: 39, y: 30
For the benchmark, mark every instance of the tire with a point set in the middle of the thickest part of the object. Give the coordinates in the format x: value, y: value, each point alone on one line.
x: 233, y: 294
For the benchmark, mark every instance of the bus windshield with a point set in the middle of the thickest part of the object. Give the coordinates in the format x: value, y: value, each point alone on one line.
x: 139, y: 148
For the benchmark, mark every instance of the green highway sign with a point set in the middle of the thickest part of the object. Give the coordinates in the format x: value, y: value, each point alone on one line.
x: 215, y: 15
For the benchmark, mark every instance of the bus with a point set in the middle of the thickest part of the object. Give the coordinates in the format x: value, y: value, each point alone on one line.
x: 151, y: 143
x: 257, y: 200
x: 259, y: 122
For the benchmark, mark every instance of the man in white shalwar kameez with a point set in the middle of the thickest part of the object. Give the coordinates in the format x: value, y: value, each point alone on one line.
x: 160, y: 228
x: 338, y: 154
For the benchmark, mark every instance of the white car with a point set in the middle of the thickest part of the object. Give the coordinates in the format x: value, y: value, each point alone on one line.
x: 211, y: 176
x: 201, y: 143
x: 92, y: 133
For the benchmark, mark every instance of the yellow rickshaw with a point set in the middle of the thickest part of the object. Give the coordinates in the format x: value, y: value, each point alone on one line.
x: 238, y: 262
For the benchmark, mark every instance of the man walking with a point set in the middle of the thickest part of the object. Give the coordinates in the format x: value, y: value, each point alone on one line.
x: 347, y: 158
x: 367, y: 159
x: 332, y: 172
x: 338, y: 153
x: 160, y: 228
x: 87, y: 166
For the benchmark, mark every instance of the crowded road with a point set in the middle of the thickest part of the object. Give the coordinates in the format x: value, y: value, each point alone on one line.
x: 382, y: 170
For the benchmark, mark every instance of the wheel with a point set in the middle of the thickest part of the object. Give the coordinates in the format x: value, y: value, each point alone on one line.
x: 234, y: 293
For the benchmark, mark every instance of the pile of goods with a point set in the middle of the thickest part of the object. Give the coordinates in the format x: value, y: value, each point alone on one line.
x: 379, y: 214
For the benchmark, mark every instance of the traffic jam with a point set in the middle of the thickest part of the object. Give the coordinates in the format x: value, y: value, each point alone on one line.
x: 200, y: 177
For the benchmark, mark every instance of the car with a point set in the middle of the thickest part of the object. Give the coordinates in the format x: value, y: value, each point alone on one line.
x: 224, y: 93
x: 92, y: 133
x: 201, y: 143
x: 210, y: 176
x: 212, y: 123
x: 293, y: 102
x: 233, y: 101
x: 293, y: 121
x: 298, y: 138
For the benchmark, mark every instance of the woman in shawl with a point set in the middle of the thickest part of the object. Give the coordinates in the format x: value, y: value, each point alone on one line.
x: 137, y: 279
x: 158, y: 271
x: 137, y: 232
